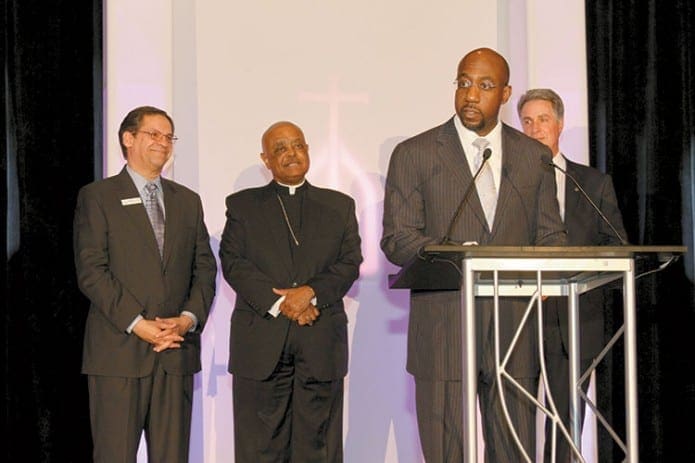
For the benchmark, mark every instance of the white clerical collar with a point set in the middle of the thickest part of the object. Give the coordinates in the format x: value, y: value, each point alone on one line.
x: 292, y: 188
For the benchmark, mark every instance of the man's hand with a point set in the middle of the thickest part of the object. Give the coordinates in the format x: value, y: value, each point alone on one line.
x: 308, y: 316
x: 161, y: 333
x: 183, y: 323
x: 297, y: 300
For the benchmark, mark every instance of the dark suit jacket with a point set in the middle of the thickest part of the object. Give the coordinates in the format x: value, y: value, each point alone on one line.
x: 119, y: 269
x: 427, y: 177
x: 256, y: 258
x: 585, y: 227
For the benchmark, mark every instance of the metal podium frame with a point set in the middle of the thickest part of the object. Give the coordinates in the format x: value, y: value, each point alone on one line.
x: 501, y: 271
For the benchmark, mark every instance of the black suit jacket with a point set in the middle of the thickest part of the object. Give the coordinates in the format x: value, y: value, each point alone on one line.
x: 120, y: 270
x: 256, y: 258
x: 585, y: 227
x: 428, y: 175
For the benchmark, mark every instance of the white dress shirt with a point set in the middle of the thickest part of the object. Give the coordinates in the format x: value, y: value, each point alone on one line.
x: 560, y: 180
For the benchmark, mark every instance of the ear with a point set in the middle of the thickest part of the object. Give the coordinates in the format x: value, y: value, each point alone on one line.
x: 265, y: 160
x: 128, y: 139
x: 506, y: 93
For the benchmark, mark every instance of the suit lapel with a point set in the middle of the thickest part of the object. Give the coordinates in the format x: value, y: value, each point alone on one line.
x: 273, y: 220
x: 510, y: 169
x: 136, y: 213
x: 311, y: 218
x: 452, y: 155
x: 172, y: 219
x: 571, y: 192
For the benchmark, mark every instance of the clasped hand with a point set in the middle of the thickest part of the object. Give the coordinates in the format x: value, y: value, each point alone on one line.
x: 297, y: 304
x: 163, y: 333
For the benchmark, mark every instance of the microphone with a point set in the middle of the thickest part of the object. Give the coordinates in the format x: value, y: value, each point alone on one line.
x: 505, y: 174
x: 486, y: 155
x: 584, y: 193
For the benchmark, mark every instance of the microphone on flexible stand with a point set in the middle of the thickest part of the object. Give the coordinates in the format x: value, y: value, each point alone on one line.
x: 584, y: 193
x: 486, y: 155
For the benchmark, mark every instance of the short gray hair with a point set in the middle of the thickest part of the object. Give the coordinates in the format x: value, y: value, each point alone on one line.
x: 544, y: 94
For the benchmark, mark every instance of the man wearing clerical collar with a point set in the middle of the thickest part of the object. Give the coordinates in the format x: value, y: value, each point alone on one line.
x: 290, y: 251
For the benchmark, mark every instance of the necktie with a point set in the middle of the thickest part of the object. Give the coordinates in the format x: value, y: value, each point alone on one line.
x: 485, y: 184
x: 156, y: 214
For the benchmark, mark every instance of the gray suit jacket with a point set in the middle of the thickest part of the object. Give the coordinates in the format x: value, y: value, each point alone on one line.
x: 427, y: 177
x: 119, y: 269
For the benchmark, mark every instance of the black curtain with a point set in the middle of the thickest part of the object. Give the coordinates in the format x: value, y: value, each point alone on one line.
x: 51, y: 136
x: 641, y: 107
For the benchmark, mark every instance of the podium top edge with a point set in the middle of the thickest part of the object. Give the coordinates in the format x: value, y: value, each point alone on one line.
x: 431, y: 269
x: 551, y: 251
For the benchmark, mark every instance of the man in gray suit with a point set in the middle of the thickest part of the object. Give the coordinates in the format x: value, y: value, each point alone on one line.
x: 541, y: 112
x: 427, y: 177
x: 143, y: 259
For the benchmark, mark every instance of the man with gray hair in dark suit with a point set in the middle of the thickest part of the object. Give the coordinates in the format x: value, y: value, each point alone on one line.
x: 515, y: 205
x: 542, y: 113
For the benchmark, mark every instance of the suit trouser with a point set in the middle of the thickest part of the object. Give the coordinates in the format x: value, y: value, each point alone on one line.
x: 557, y: 363
x: 439, y: 414
x: 558, y: 378
x: 121, y: 408
x: 440, y: 402
x: 288, y: 417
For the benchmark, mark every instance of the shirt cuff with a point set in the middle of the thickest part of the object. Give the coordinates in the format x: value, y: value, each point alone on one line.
x: 275, y: 309
x: 192, y: 317
x: 129, y: 330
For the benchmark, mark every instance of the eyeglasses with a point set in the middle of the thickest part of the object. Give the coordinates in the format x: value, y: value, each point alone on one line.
x: 485, y: 85
x: 158, y: 136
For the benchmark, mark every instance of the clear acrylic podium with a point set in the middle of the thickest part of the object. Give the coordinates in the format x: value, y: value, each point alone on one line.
x: 503, y: 271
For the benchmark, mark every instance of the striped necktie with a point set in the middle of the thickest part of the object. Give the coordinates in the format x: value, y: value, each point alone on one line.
x: 156, y: 214
x: 485, y: 183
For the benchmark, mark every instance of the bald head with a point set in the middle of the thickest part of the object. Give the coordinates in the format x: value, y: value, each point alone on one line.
x: 285, y: 152
x: 492, y: 58
x: 267, y: 135
x: 482, y: 88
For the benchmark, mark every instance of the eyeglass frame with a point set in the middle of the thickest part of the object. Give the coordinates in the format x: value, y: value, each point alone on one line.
x: 485, y: 85
x: 158, y: 136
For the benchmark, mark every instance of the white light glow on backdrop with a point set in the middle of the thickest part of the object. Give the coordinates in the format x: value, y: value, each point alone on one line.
x: 358, y: 76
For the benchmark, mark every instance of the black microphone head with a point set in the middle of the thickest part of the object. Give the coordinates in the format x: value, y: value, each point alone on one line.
x: 547, y: 161
x: 486, y: 154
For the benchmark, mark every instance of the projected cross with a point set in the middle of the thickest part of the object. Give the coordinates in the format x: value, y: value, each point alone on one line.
x: 342, y: 166
x: 334, y: 97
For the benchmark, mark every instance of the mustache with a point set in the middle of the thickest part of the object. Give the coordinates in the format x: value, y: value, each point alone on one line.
x: 470, y: 106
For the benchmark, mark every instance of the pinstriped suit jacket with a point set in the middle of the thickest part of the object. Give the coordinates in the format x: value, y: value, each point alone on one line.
x: 426, y: 180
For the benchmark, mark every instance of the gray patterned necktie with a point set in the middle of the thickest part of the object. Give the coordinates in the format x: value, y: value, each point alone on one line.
x: 156, y: 214
x: 485, y: 184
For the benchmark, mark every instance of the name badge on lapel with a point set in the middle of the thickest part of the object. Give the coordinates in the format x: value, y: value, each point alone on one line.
x: 131, y: 201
